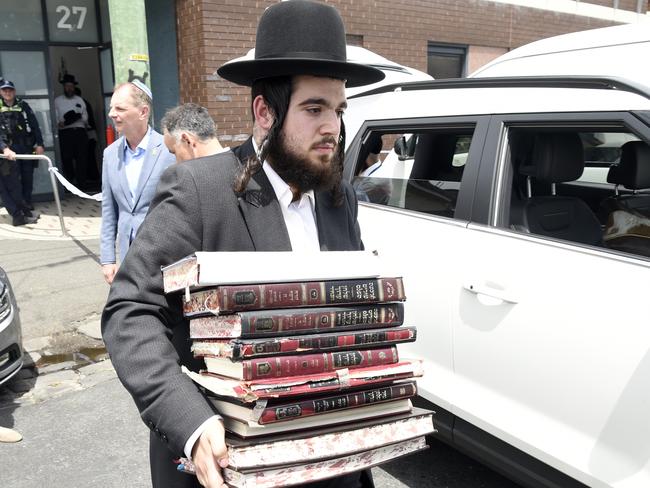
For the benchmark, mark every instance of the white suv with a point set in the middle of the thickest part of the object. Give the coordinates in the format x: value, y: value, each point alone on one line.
x: 528, y: 281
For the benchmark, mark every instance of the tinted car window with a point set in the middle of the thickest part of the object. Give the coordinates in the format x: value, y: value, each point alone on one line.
x: 419, y: 170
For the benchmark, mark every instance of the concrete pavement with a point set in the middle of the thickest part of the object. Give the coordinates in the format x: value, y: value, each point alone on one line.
x: 57, y: 280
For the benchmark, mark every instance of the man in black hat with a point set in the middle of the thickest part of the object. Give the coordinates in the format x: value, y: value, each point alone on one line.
x: 72, y: 118
x: 289, y: 197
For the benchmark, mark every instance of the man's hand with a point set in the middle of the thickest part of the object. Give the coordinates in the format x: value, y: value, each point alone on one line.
x: 109, y: 271
x: 9, y: 154
x: 209, y: 455
x: 40, y: 150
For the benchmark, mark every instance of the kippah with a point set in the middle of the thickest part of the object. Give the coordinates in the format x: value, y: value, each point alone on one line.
x: 143, y: 87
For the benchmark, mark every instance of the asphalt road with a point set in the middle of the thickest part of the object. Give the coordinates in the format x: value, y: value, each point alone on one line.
x: 56, y: 282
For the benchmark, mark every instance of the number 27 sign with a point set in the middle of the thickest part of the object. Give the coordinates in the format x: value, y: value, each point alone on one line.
x: 71, y: 18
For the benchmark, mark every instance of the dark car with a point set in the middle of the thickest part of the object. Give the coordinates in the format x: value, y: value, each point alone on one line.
x: 11, y: 349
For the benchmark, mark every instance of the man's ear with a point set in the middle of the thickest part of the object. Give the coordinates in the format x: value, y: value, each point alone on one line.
x: 186, y: 138
x: 263, y: 113
x: 145, y: 112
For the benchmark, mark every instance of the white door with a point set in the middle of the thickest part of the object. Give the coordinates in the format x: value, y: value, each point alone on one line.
x: 552, y: 354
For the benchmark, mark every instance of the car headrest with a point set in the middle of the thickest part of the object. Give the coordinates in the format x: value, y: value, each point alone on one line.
x: 612, y: 175
x: 556, y: 157
x: 434, y: 156
x: 633, y: 171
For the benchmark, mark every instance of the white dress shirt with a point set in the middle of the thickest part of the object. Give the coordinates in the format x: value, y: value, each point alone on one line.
x: 299, y: 216
x: 134, y: 160
x: 63, y: 105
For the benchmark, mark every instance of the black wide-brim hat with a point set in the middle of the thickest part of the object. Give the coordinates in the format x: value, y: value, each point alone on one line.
x: 300, y: 37
x: 68, y: 79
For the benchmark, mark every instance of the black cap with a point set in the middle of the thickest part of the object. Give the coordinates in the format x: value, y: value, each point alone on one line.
x: 6, y: 84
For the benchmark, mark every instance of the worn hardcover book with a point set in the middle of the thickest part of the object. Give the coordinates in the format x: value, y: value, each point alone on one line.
x: 238, y: 349
x: 268, y: 412
x: 250, y: 391
x: 297, y: 474
x: 327, y: 442
x: 248, y: 430
x: 269, y: 323
x: 239, y: 298
x: 219, y: 268
x: 299, y: 364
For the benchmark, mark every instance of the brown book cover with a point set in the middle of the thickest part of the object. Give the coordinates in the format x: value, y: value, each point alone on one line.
x: 238, y: 298
x: 331, y: 381
x: 298, y: 474
x: 326, y: 442
x: 299, y: 364
x: 238, y: 349
x: 269, y: 323
x: 268, y: 412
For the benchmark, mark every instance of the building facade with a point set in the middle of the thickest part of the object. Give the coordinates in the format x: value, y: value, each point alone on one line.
x: 447, y: 38
x: 40, y: 40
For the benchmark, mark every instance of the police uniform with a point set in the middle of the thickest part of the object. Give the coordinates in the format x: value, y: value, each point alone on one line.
x: 21, y: 132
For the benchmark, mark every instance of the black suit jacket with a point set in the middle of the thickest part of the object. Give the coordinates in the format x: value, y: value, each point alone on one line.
x: 245, y: 151
x: 195, y: 209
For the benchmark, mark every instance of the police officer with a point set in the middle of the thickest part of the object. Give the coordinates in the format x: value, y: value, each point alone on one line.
x: 22, y: 133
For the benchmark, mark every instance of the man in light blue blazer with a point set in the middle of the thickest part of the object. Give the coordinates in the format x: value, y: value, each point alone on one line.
x: 131, y: 170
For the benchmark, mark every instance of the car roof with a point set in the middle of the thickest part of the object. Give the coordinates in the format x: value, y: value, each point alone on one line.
x: 486, y: 96
x: 620, y: 51
x: 395, y: 72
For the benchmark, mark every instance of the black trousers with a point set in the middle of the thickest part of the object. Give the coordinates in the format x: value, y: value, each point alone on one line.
x: 74, y: 153
x: 165, y: 475
x: 10, y: 190
x: 26, y: 172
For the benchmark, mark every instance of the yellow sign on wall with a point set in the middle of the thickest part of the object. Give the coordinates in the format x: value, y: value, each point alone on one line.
x: 139, y: 57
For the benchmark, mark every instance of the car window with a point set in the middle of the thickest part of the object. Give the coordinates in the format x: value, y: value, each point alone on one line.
x: 419, y: 170
x: 602, y: 151
x: 579, y: 186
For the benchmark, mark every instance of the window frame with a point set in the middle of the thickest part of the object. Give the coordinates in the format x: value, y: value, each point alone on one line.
x: 495, y: 179
x: 458, y: 51
x: 480, y: 124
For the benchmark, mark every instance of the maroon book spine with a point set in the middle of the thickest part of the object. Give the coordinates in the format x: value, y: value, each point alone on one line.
x: 285, y: 345
x: 318, y: 319
x: 317, y: 406
x: 306, y: 364
x: 238, y: 298
x: 270, y: 323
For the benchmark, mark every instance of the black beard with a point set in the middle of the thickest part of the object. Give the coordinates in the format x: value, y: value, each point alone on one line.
x: 298, y: 171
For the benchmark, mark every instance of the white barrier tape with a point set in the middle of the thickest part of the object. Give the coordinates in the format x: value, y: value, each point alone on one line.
x: 73, y: 189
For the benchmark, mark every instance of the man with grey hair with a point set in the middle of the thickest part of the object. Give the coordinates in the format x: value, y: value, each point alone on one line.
x: 190, y: 133
x: 130, y: 173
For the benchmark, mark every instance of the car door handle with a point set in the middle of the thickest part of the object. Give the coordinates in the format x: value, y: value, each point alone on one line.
x: 490, y: 292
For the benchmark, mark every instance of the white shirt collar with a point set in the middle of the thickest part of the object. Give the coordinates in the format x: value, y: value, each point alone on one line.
x: 143, y: 143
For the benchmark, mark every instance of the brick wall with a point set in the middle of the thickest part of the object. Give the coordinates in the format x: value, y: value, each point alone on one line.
x: 210, y: 32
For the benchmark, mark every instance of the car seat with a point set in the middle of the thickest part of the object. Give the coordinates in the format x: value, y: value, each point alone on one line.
x: 628, y: 223
x: 633, y: 172
x: 556, y: 158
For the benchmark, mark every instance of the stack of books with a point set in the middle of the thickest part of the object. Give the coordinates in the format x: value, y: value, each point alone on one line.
x: 301, y: 361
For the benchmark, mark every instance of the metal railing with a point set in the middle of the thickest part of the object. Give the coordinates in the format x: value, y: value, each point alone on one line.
x: 55, y: 188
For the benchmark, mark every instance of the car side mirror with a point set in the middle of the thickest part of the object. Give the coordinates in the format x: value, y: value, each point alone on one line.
x: 405, y: 148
